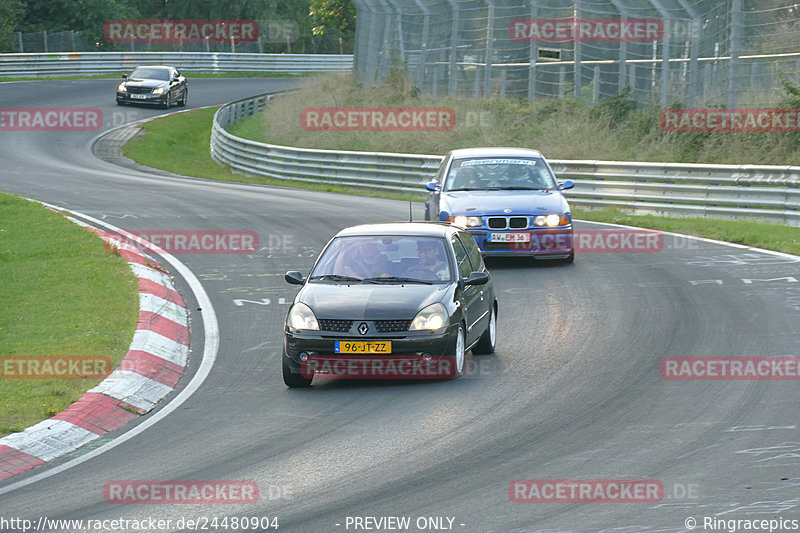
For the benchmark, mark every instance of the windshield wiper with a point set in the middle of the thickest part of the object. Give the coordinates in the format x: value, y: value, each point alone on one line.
x: 521, y: 188
x: 396, y: 279
x: 335, y: 277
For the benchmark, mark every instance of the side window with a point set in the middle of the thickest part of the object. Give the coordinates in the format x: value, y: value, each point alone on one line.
x: 462, y: 259
x: 440, y: 175
x: 473, y: 251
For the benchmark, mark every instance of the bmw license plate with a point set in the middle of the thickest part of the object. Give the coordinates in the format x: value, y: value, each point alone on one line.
x: 380, y: 347
x: 138, y: 96
x: 510, y: 237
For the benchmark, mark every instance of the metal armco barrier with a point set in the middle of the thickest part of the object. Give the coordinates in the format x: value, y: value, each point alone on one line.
x: 768, y: 193
x: 94, y: 63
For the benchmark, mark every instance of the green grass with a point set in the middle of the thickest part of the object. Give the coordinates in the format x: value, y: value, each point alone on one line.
x: 568, y: 128
x: 757, y: 234
x: 189, y: 75
x: 62, y: 294
x: 187, y: 136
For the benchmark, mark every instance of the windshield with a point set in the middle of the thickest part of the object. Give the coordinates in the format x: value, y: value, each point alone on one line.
x: 151, y: 74
x: 499, y: 174
x: 384, y: 258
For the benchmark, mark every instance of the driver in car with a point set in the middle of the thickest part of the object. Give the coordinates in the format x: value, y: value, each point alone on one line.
x: 467, y: 178
x: 430, y: 257
x: 367, y: 261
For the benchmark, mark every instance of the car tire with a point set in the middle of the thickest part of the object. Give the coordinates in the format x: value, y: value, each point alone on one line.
x: 120, y: 102
x: 167, y: 101
x: 293, y: 380
x: 185, y: 98
x: 569, y: 259
x: 459, y: 353
x: 486, y: 343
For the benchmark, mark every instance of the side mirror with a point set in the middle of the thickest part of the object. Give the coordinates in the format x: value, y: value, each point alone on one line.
x: 124, y: 76
x: 294, y: 277
x: 568, y: 184
x: 477, y: 278
x: 432, y: 186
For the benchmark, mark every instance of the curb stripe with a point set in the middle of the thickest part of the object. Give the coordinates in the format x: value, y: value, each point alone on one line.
x: 155, y: 304
x: 140, y: 392
x: 153, y: 367
x: 150, y: 370
x: 163, y: 326
x: 97, y: 413
x: 13, y: 462
x: 158, y: 345
x: 147, y: 286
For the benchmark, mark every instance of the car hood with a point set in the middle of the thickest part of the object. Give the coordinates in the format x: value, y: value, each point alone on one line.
x: 147, y: 84
x: 497, y: 202
x: 369, y: 301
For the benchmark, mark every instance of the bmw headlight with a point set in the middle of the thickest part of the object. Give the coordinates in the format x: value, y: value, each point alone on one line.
x: 160, y: 90
x: 550, y: 220
x: 301, y: 317
x: 464, y: 221
x: 431, y: 318
x: 122, y: 88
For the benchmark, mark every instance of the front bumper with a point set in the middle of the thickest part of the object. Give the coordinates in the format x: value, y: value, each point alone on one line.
x: 149, y: 98
x: 541, y: 243
x: 414, y: 355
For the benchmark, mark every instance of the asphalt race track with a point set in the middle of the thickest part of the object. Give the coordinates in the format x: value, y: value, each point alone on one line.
x: 573, y: 391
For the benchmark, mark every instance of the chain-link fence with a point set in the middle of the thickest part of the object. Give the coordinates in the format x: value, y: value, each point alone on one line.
x: 664, y: 52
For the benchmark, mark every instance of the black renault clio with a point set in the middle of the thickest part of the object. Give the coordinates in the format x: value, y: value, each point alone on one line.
x: 390, y: 301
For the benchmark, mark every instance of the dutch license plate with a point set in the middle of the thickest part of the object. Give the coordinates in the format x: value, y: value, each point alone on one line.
x: 381, y: 347
x: 510, y: 237
x: 138, y: 96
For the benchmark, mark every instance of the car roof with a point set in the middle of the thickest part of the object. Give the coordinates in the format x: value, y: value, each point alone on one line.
x: 154, y: 66
x: 411, y: 229
x: 494, y: 152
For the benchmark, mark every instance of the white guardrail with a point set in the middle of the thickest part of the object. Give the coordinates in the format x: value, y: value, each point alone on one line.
x: 94, y: 63
x: 768, y: 193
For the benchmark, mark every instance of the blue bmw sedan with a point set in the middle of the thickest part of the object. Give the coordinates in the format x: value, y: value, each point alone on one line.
x: 508, y: 199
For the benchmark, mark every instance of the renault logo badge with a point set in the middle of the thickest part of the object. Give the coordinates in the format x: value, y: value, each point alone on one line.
x: 363, y: 328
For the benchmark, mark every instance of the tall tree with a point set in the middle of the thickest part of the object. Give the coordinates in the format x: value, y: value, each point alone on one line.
x: 10, y: 13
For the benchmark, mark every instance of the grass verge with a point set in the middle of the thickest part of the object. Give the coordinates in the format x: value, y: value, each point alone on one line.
x: 561, y: 128
x: 62, y: 294
x: 187, y: 137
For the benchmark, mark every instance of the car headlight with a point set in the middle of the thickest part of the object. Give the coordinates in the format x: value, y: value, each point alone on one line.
x: 301, y: 317
x: 550, y: 220
x: 464, y: 221
x: 122, y: 88
x: 431, y: 318
x: 160, y: 90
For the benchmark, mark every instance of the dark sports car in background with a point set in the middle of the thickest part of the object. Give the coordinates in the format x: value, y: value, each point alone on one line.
x: 508, y: 199
x: 158, y: 85
x: 406, y: 300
